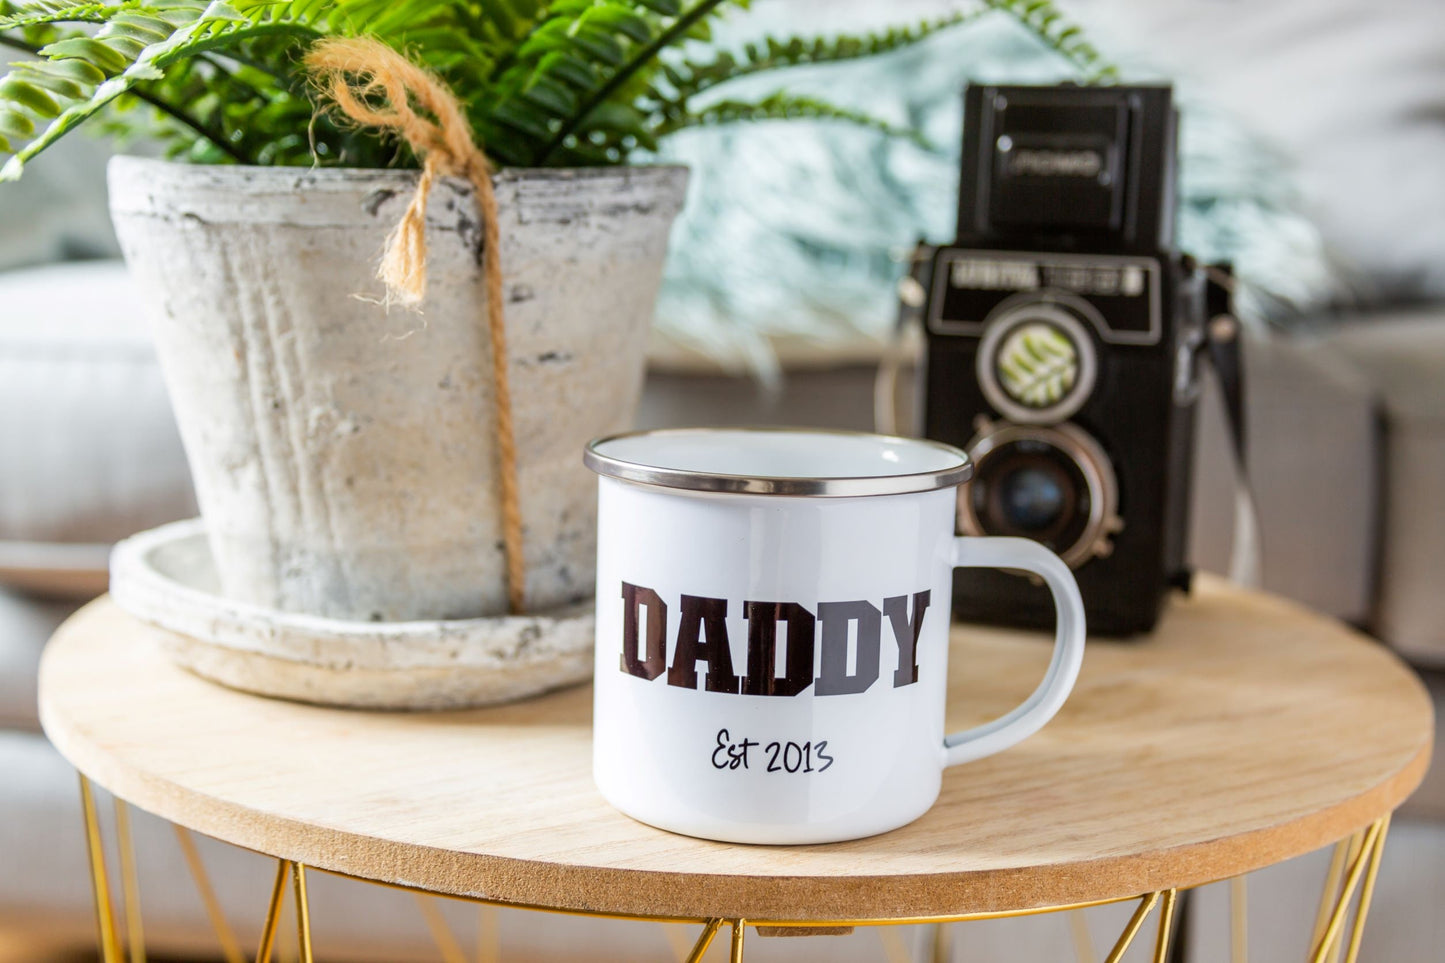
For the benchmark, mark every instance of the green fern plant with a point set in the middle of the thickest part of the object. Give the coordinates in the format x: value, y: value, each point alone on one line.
x: 560, y: 83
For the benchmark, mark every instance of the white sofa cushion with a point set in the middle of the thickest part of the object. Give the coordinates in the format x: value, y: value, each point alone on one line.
x: 25, y: 625
x: 1403, y: 357
x: 89, y: 451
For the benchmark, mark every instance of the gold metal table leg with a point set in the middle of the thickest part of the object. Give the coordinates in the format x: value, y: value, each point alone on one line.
x: 273, y: 911
x: 1082, y: 939
x: 100, y: 881
x: 740, y: 928
x: 1363, y: 863
x: 303, y: 913
x: 489, y: 935
x: 1166, y: 925
x: 895, y: 948
x: 1357, y: 845
x: 1136, y: 922
x: 441, y: 933
x: 704, y: 940
x: 1357, y: 932
x: 1238, y: 921
x: 129, y: 884
x: 1366, y: 855
x: 1330, y: 892
x: 940, y: 943
x: 286, y: 949
x: 230, y: 946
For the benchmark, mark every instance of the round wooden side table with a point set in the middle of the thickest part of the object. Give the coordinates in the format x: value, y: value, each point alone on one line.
x: 1245, y: 731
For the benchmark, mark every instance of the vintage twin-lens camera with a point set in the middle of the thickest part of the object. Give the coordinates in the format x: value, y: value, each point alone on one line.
x: 1062, y: 330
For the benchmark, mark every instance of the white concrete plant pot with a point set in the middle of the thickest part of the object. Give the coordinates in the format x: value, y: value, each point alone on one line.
x: 342, y: 452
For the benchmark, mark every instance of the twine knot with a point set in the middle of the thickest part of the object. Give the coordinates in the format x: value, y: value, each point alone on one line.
x: 374, y: 86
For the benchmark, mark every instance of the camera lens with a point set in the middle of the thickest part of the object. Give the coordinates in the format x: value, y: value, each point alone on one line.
x: 1052, y: 484
x: 1031, y: 488
x: 1032, y: 498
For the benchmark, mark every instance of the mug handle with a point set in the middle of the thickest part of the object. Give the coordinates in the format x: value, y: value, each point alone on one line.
x: 1030, y: 716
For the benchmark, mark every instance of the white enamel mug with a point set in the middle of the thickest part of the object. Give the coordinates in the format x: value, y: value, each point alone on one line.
x: 772, y: 631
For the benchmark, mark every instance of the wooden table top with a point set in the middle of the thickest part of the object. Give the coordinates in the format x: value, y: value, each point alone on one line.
x: 1244, y: 732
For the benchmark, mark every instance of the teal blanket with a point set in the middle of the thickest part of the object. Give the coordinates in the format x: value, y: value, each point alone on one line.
x: 800, y: 228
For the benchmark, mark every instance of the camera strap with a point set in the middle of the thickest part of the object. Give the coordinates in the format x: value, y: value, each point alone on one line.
x: 1223, y: 341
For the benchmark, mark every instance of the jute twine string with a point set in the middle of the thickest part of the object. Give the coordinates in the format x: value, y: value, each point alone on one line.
x: 375, y: 86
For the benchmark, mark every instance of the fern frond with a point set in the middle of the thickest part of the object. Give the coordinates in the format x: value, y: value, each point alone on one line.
x: 245, y: 113
x: 38, y: 14
x: 683, y: 26
x: 123, y: 54
x: 783, y: 106
x: 688, y: 78
x: 1055, y: 30
x: 139, y: 44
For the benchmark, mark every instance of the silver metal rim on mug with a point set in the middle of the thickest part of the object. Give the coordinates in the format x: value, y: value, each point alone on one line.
x: 825, y: 487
